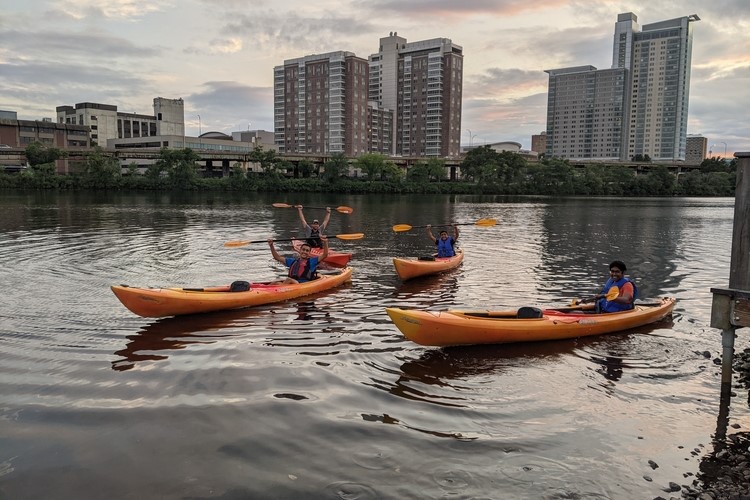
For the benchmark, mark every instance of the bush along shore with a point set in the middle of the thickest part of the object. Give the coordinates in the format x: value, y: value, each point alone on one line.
x: 482, y: 171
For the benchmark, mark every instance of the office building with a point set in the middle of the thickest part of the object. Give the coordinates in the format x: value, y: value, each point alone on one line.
x: 107, y: 123
x: 320, y: 104
x: 654, y: 61
x: 423, y: 83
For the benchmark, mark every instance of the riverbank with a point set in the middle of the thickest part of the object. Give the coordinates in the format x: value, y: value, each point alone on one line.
x: 725, y: 475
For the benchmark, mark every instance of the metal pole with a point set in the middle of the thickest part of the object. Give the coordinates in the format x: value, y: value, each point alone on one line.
x: 200, y: 133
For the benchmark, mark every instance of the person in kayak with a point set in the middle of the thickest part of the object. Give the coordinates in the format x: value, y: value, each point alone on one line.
x: 628, y: 290
x: 302, y: 268
x: 315, y: 229
x: 445, y: 244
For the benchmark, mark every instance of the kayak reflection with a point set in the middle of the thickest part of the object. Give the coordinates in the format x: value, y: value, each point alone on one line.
x: 179, y: 332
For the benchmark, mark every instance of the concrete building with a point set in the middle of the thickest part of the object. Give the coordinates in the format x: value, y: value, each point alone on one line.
x: 586, y: 113
x: 320, y: 104
x: 107, y: 123
x: 423, y: 83
x: 539, y: 142
x: 695, y: 151
x: 638, y: 107
x: 380, y: 129
x: 261, y: 138
x: 21, y: 133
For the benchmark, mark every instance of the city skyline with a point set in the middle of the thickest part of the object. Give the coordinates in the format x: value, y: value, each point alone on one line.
x: 219, y: 57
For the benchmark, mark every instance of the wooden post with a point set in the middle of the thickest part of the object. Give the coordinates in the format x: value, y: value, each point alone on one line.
x: 730, y: 308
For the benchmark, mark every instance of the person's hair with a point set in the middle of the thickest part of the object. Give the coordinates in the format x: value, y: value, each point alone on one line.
x: 618, y: 264
x: 443, y: 231
x: 305, y: 245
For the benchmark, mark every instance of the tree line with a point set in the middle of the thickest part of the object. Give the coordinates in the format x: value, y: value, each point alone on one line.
x: 483, y: 171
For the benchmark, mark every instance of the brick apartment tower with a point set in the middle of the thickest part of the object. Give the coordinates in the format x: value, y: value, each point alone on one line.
x: 423, y: 83
x: 320, y: 104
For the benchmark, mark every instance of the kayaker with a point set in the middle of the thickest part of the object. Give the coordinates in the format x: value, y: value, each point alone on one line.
x: 315, y: 229
x: 301, y: 268
x: 445, y: 244
x: 628, y: 290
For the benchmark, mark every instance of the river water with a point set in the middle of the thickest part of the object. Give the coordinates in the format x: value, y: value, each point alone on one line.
x: 321, y: 397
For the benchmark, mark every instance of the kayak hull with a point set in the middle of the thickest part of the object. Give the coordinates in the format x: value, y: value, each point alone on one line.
x: 339, y: 259
x: 162, y: 302
x: 449, y: 328
x: 413, y: 268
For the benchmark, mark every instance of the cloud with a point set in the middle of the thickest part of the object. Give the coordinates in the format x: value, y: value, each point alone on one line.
x: 460, y: 9
x: 218, y: 46
x: 114, y: 9
x: 225, y: 105
x: 55, y: 45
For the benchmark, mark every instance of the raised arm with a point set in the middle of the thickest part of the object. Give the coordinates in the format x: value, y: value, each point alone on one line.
x: 455, y: 233
x: 301, y: 216
x: 429, y: 233
x: 327, y: 218
x: 325, y: 248
x: 275, y: 254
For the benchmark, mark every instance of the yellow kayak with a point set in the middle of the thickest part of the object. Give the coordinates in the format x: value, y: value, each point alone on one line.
x: 527, y: 324
x: 161, y: 302
x: 413, y: 268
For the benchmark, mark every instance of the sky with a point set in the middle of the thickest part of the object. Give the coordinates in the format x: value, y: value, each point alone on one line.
x: 219, y: 55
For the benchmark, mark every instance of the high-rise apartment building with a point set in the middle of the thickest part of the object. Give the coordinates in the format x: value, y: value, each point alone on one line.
x: 320, y: 104
x: 654, y: 62
x: 423, y: 83
x: 695, y: 152
x: 585, y: 112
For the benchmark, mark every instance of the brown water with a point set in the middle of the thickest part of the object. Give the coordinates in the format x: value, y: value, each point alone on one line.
x: 322, y: 397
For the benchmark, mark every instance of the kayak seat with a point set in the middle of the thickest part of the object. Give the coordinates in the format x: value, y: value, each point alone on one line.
x: 239, y: 286
x: 426, y: 257
x: 529, y: 313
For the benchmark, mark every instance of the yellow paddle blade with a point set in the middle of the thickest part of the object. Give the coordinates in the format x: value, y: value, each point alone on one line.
x: 400, y: 228
x: 282, y: 205
x: 486, y: 222
x: 350, y: 236
x: 231, y: 244
x: 344, y: 209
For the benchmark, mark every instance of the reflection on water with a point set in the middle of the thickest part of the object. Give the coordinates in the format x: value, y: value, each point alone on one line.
x: 298, y: 398
x: 169, y: 334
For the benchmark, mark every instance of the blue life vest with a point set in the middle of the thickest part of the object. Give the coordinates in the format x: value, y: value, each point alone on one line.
x: 445, y: 247
x: 302, y: 269
x: 604, y: 305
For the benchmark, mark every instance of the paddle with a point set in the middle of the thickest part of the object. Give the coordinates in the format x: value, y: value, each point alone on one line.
x: 341, y: 209
x: 242, y: 243
x: 399, y: 228
x: 611, y: 295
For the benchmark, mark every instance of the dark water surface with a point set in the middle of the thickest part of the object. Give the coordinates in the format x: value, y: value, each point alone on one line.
x: 322, y: 397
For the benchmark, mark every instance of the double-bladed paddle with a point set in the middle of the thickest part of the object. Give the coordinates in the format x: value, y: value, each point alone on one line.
x: 611, y: 295
x: 399, y: 228
x: 242, y: 243
x: 341, y: 209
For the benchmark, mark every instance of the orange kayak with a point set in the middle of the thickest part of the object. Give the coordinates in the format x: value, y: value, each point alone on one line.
x: 335, y: 258
x: 413, y: 268
x: 160, y: 302
x: 447, y: 328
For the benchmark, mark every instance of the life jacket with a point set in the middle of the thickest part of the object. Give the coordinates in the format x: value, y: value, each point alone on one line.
x: 445, y: 247
x: 301, y: 270
x: 606, y: 306
x: 313, y: 239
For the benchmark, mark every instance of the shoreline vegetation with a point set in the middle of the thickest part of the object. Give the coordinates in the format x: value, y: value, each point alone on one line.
x: 483, y: 171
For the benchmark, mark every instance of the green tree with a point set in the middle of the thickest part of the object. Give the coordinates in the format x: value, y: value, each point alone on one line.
x: 371, y: 164
x: 436, y: 169
x: 266, y: 158
x: 179, y: 165
x: 100, y: 170
x: 334, y: 168
x: 305, y: 168
x: 37, y: 154
x: 418, y: 172
x: 392, y: 172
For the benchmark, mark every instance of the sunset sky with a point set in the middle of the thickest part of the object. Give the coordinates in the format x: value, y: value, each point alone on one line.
x: 218, y: 55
